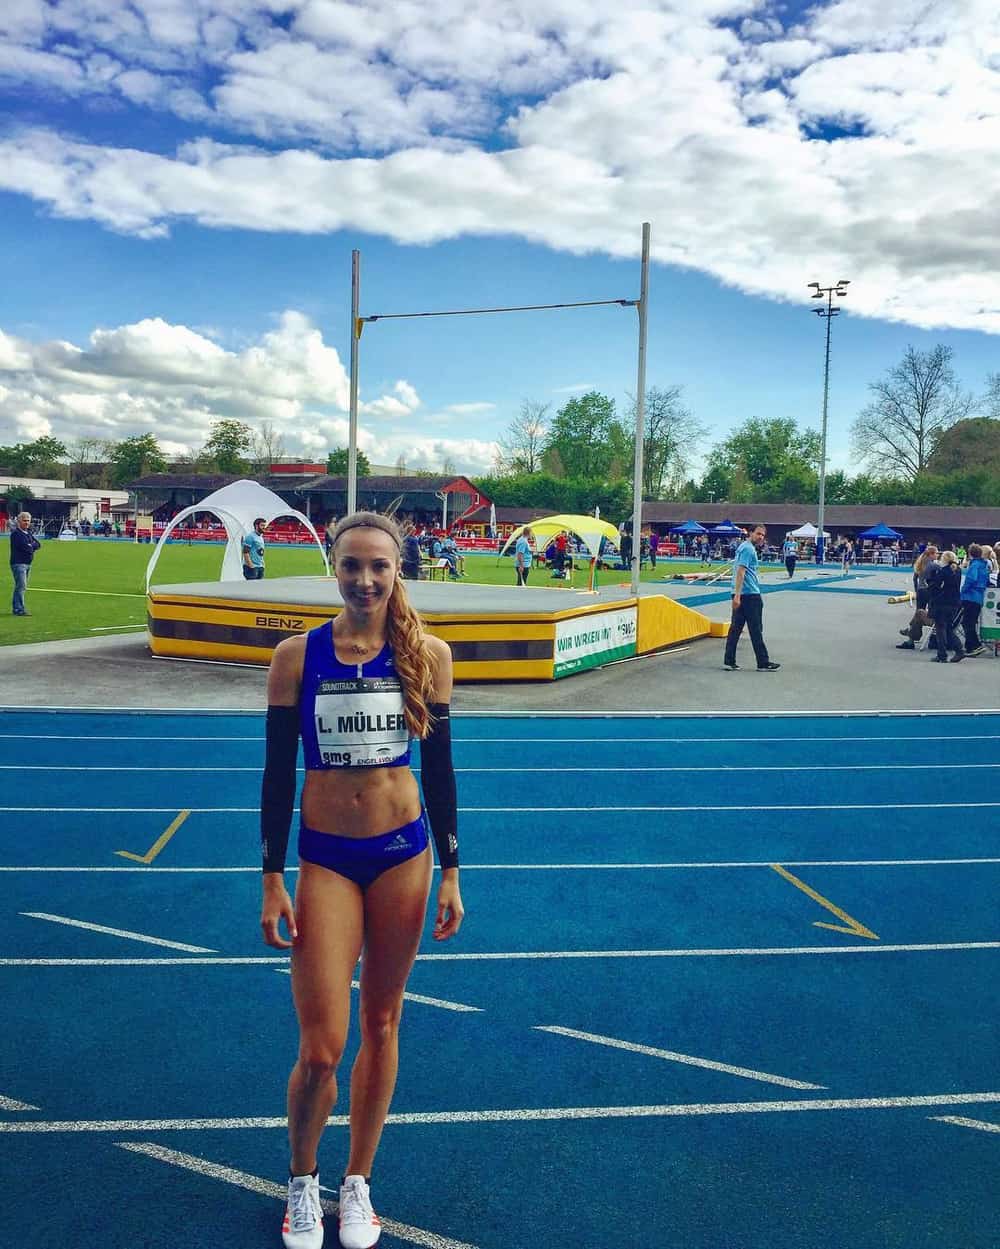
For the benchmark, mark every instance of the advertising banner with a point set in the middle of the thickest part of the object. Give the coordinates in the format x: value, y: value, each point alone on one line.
x: 589, y: 641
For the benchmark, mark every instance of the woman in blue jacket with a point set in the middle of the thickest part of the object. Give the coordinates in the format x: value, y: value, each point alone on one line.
x: 977, y: 578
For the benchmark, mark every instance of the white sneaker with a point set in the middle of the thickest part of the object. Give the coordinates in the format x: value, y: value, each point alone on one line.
x: 359, y: 1225
x: 303, y: 1225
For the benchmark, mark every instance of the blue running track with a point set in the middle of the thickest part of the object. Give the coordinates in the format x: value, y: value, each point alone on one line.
x: 723, y: 983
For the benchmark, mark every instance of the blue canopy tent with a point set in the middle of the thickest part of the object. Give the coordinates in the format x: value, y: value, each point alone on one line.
x: 880, y: 531
x: 689, y: 526
x: 726, y: 530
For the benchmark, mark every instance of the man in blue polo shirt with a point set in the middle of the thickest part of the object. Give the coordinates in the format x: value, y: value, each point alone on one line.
x: 748, y: 606
x: 253, y: 551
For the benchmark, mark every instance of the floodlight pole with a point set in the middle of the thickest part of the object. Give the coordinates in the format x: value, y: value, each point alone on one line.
x: 640, y: 414
x: 352, y: 439
x: 829, y: 312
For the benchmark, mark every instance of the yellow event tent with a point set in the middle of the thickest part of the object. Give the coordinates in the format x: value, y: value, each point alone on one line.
x: 589, y: 529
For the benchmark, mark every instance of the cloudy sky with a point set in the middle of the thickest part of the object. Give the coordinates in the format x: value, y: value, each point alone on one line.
x: 182, y: 182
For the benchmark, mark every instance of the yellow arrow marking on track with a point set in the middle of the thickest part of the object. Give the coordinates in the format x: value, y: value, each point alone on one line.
x: 158, y: 844
x: 850, y: 925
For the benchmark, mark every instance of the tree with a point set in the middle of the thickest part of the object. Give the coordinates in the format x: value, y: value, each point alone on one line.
x: 764, y: 461
x: 337, y: 466
x: 519, y: 448
x: 134, y: 457
x: 227, y: 442
x: 968, y: 445
x: 88, y: 467
x: 913, y: 404
x: 670, y: 435
x: 401, y: 466
x: 448, y: 466
x: 35, y: 459
x: 583, y: 435
x: 266, y: 447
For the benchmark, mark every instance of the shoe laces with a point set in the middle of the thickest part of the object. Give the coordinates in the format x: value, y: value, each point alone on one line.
x: 355, y: 1204
x: 302, y: 1214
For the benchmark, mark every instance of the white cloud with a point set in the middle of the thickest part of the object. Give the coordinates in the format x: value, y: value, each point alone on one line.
x: 707, y: 117
x: 175, y: 382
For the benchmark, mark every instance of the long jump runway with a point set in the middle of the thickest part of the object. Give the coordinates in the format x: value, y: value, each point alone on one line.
x: 724, y: 983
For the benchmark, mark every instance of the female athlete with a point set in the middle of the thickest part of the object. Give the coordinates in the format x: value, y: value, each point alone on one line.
x: 356, y: 689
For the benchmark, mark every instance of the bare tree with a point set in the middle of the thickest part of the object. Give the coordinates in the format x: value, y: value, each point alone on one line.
x: 519, y: 449
x: 401, y: 466
x: 88, y: 463
x: 914, y: 403
x: 266, y: 447
x: 448, y: 466
x: 991, y: 400
x: 671, y: 434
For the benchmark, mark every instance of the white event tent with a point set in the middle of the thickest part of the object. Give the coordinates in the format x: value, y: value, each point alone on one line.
x: 807, y: 530
x: 237, y: 505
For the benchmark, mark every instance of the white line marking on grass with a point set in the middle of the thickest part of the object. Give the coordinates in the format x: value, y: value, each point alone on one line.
x: 410, y: 997
x: 8, y: 1103
x: 118, y: 932
x: 562, y: 867
x: 114, y: 628
x: 514, y: 956
x: 89, y: 593
x: 670, y: 1055
x: 980, y: 1124
x: 853, y: 806
x: 267, y: 1188
x: 527, y: 1115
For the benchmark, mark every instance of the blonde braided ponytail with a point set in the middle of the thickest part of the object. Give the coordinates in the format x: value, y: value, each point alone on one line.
x: 404, y: 631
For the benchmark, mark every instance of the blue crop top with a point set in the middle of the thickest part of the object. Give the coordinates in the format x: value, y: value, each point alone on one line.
x: 351, y: 714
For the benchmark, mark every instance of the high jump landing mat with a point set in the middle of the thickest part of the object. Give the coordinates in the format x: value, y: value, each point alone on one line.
x: 496, y: 633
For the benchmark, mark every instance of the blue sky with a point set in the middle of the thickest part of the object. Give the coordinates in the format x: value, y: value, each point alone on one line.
x: 181, y: 185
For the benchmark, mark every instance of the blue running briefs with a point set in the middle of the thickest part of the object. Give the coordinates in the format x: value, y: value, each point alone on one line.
x: 363, y: 859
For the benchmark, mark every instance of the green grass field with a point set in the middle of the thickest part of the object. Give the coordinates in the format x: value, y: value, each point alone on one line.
x: 87, y: 589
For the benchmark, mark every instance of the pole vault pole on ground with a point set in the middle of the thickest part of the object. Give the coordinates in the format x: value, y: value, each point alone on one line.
x: 358, y: 322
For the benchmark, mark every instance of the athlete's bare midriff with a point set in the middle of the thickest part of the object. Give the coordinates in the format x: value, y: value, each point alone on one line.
x: 359, y: 802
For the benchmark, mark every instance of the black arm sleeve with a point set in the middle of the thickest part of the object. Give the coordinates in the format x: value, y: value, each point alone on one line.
x: 437, y: 778
x: 277, y: 791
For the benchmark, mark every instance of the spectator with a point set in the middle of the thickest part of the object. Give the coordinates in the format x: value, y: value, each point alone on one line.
x: 23, y: 545
x: 523, y: 555
x: 253, y: 551
x: 790, y: 551
x: 944, y: 584
x: 977, y: 578
x: 654, y: 546
x: 410, y: 554
x: 989, y: 554
x: 914, y: 631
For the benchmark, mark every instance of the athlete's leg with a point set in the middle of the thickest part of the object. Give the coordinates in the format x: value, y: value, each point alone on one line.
x: 395, y: 911
x: 330, y: 918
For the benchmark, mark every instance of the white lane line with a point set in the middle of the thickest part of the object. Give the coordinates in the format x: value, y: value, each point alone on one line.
x: 255, y: 1184
x: 410, y: 997
x: 671, y: 1056
x: 833, y: 767
x: 489, y: 741
x: 8, y: 1103
x: 225, y: 961
x: 850, y: 806
x: 565, y: 867
x: 527, y: 1115
x: 980, y: 1124
x: 118, y: 932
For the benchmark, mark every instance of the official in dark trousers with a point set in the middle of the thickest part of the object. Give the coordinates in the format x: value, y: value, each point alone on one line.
x: 945, y: 586
x: 23, y: 545
x: 748, y: 606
